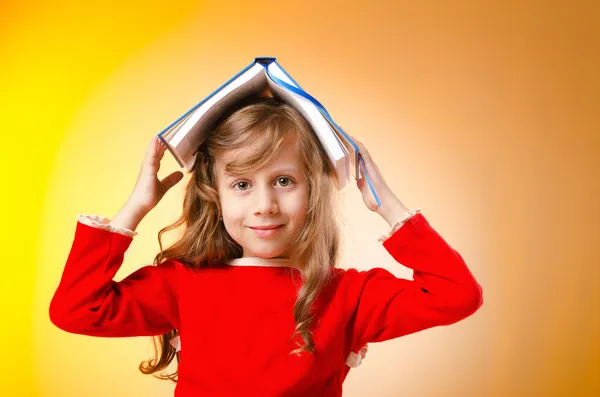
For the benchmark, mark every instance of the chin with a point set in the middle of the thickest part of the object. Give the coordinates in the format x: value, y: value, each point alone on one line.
x: 268, y: 252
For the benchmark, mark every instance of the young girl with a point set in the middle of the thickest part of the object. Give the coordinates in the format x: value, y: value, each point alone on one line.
x: 250, y: 299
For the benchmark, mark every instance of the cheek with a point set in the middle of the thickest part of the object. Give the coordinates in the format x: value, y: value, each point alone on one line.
x: 234, y: 216
x: 232, y: 210
x: 297, y: 206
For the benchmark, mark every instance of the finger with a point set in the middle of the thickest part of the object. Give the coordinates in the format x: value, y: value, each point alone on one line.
x: 147, y: 162
x: 160, y: 149
x: 353, y: 138
x: 156, y: 145
x: 161, y: 144
x: 367, y: 162
x: 171, y: 180
x: 358, y: 143
x: 150, y: 148
x: 360, y: 183
x: 371, y: 167
x: 155, y: 154
x: 363, y: 150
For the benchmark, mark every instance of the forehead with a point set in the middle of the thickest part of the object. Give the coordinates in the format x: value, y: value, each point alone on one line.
x: 288, y: 154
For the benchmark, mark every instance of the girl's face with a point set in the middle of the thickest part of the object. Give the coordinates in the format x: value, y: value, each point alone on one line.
x: 274, y: 197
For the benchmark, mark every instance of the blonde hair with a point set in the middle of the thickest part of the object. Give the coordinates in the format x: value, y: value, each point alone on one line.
x: 205, y: 241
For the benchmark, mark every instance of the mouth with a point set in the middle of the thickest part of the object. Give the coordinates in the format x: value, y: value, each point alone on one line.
x: 266, y: 231
x: 265, y: 227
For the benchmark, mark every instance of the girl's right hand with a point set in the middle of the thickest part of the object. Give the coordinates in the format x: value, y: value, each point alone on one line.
x: 149, y: 190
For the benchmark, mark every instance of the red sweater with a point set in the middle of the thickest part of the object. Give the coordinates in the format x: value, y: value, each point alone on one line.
x: 235, y: 322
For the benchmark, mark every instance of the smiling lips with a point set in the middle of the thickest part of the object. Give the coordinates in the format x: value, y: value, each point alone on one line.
x: 265, y: 231
x: 265, y: 227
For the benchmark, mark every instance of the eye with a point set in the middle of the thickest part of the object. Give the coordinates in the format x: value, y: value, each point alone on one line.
x: 285, y: 178
x: 241, y: 184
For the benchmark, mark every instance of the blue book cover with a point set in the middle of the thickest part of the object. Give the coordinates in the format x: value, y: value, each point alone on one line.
x: 183, y: 136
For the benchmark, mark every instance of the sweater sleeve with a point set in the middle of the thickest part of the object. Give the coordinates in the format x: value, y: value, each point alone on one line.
x: 88, y: 301
x: 443, y: 290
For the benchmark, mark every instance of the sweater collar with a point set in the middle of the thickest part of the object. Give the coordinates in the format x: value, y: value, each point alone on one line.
x: 257, y: 261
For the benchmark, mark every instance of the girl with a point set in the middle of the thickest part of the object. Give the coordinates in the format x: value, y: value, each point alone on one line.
x: 249, y: 299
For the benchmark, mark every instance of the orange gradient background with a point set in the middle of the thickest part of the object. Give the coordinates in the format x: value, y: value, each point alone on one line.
x: 486, y: 116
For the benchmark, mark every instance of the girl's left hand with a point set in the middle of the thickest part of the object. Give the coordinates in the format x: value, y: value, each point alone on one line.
x: 383, y: 191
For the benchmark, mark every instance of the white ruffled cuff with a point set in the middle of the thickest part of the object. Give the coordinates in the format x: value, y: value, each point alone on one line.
x: 101, y: 222
x: 176, y: 343
x: 355, y: 359
x: 398, y: 224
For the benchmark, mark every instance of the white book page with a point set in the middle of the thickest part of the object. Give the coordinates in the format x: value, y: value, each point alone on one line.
x: 350, y: 151
x: 190, y: 134
x: 334, y: 149
x: 212, y: 101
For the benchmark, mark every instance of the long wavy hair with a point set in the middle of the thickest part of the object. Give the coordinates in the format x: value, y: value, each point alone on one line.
x: 204, y: 240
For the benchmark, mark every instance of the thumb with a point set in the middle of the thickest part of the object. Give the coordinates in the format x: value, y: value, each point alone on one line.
x: 171, y: 180
x: 360, y: 183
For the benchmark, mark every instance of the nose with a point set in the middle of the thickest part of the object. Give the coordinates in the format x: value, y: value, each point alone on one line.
x: 266, y: 202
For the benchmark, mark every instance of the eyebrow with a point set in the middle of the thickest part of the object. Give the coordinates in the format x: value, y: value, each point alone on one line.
x: 285, y: 169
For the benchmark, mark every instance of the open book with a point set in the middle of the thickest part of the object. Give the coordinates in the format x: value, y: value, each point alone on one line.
x: 185, y: 135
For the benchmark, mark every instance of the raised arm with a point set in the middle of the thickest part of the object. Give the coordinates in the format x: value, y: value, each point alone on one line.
x: 89, y: 302
x: 443, y: 290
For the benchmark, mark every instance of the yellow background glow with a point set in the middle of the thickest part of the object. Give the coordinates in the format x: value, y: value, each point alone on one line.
x: 485, y: 115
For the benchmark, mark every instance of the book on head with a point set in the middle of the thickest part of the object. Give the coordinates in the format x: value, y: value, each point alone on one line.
x: 184, y: 136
